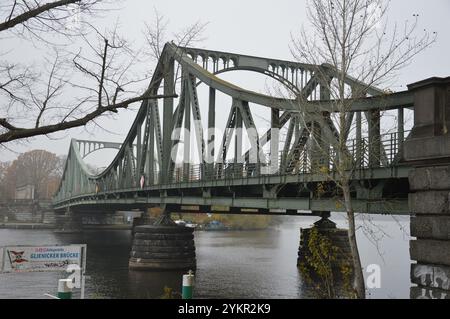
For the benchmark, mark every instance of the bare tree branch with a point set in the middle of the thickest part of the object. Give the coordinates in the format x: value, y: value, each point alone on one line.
x: 18, y: 133
x: 350, y: 37
x: 32, y: 13
x: 74, y: 86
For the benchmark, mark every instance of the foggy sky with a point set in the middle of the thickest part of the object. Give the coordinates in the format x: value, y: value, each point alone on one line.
x: 259, y: 28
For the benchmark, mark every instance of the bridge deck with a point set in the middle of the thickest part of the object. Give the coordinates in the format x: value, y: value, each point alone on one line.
x: 238, y: 195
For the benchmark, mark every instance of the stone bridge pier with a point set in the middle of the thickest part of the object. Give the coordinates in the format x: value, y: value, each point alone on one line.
x: 428, y: 150
x: 163, y: 245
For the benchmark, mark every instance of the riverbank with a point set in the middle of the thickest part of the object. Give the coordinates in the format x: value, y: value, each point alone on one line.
x: 226, y: 222
x: 41, y: 226
x: 26, y: 226
x: 38, y: 226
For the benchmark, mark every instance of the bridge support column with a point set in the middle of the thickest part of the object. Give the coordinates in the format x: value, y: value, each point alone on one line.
x: 337, y: 236
x: 163, y: 246
x: 428, y: 150
x: 69, y: 222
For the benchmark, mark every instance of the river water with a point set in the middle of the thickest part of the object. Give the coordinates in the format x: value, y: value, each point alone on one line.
x: 231, y: 264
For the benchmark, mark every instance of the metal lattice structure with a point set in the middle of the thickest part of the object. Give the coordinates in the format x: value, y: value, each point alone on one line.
x: 144, y: 174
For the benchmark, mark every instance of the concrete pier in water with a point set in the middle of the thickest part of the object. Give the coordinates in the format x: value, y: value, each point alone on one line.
x: 163, y: 246
x: 327, y: 228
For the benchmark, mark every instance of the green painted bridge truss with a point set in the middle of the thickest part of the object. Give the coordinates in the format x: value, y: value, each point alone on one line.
x: 143, y: 174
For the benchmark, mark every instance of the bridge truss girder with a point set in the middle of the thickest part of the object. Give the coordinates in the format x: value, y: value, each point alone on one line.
x: 144, y: 161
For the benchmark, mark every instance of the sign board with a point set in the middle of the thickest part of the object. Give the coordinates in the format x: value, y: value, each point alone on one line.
x: 42, y: 258
x: 68, y: 258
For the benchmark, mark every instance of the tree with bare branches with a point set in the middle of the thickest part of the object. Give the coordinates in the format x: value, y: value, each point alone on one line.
x: 76, y: 86
x: 156, y: 34
x: 351, y: 39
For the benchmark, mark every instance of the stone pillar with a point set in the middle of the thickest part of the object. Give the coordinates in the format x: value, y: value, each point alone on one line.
x: 69, y: 222
x: 427, y: 149
x: 338, y: 237
x: 163, y: 246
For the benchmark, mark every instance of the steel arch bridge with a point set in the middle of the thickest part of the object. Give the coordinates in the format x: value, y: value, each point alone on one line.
x: 143, y: 173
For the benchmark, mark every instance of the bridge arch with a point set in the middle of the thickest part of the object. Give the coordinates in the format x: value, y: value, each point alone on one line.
x: 87, y: 147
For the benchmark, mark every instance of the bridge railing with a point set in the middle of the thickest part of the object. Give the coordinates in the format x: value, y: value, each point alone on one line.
x: 360, y: 150
x: 307, y: 161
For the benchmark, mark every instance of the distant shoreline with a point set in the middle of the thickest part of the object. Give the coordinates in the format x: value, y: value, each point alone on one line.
x: 39, y: 226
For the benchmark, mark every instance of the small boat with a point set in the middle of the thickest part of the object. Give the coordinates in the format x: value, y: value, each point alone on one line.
x: 215, y: 225
x: 180, y: 222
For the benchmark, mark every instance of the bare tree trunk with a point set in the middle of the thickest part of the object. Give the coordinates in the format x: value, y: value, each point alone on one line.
x: 346, y: 35
x: 358, y: 283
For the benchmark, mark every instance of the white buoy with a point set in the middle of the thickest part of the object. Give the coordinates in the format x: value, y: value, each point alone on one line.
x: 65, y: 288
x: 188, y: 285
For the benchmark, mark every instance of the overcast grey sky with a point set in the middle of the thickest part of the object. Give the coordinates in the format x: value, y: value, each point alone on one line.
x: 259, y: 28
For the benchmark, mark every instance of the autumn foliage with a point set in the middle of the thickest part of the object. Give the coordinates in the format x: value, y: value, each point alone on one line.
x: 38, y: 168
